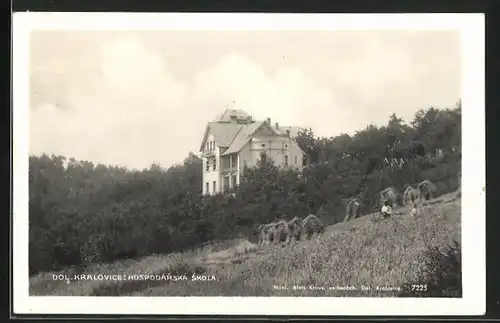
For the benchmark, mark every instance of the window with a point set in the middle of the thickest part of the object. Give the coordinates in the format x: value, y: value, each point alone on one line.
x: 207, y: 188
x: 295, y: 160
x: 215, y: 164
x: 214, y: 186
x: 244, y: 162
x: 286, y: 160
x: 286, y: 146
x: 207, y: 165
x: 263, y: 157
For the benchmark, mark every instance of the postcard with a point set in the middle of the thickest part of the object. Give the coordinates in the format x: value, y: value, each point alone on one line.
x: 256, y: 164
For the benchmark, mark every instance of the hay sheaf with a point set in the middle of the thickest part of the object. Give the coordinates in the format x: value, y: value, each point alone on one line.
x: 392, y: 253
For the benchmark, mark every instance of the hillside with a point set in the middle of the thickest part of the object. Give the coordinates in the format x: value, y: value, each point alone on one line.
x: 82, y: 213
x: 390, y: 254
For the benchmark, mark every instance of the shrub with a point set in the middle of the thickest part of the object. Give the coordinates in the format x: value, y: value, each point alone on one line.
x: 442, y: 274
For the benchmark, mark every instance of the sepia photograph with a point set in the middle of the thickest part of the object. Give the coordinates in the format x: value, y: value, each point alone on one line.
x: 248, y: 164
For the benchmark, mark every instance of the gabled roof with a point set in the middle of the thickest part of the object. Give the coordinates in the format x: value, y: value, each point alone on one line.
x: 234, y: 128
x: 245, y: 134
x: 228, y: 113
x: 294, y: 131
x: 224, y: 133
x: 243, y: 137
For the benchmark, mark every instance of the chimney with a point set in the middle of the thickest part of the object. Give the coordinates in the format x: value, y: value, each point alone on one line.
x: 288, y: 133
x: 269, y: 121
x: 277, y: 126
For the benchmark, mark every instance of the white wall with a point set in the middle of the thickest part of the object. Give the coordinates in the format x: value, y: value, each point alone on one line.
x: 246, y: 157
x: 295, y: 154
x: 210, y: 176
x: 277, y: 148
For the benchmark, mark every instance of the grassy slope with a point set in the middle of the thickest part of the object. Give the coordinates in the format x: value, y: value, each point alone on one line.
x: 389, y: 253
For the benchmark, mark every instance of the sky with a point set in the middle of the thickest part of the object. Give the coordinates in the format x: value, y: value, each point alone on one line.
x: 133, y: 98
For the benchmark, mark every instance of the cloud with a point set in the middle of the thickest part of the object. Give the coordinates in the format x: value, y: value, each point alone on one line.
x: 286, y: 96
x: 398, y: 72
x: 134, y: 112
x: 115, y: 100
x: 123, y: 114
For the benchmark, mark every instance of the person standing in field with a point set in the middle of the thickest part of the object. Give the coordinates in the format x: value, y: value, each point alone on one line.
x: 386, y: 209
x: 414, y: 210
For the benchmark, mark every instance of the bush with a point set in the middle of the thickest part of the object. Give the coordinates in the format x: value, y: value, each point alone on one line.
x: 442, y: 274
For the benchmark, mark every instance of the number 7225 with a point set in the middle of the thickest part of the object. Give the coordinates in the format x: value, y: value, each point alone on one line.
x: 419, y: 288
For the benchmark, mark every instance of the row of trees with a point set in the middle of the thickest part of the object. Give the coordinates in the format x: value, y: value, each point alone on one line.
x: 82, y: 213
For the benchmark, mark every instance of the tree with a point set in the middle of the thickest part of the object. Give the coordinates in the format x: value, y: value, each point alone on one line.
x: 307, y: 142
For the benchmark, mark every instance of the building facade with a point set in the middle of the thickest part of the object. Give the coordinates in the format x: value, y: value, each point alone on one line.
x: 234, y: 140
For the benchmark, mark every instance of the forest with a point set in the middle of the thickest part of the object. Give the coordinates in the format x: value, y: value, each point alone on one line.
x: 82, y: 213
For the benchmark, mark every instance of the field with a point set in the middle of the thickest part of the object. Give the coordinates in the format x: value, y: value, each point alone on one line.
x: 404, y: 255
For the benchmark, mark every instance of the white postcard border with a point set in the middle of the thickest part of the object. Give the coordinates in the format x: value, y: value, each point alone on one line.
x: 473, y: 187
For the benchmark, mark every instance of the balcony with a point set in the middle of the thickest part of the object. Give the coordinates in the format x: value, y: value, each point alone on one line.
x: 229, y: 171
x: 208, y: 153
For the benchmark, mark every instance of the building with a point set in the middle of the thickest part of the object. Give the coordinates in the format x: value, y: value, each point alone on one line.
x: 234, y: 140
